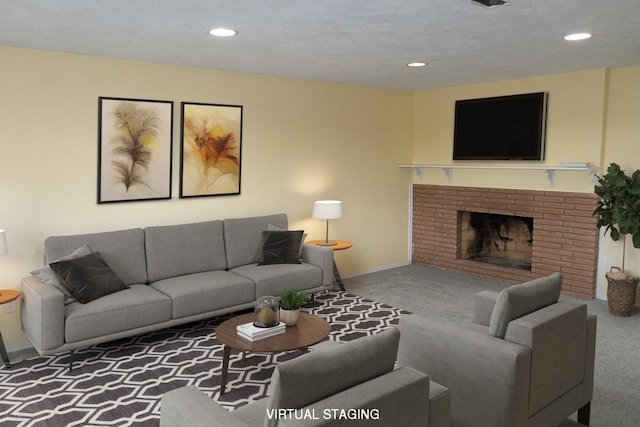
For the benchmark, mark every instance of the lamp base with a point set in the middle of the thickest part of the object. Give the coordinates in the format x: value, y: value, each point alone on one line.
x: 329, y: 243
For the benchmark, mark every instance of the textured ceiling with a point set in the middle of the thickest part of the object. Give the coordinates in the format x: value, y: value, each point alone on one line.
x: 362, y: 42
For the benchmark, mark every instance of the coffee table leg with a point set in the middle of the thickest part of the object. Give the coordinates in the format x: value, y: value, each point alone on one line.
x: 226, y: 352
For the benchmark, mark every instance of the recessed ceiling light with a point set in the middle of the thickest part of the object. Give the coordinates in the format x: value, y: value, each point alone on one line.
x: 223, y: 32
x: 577, y: 36
x: 416, y: 64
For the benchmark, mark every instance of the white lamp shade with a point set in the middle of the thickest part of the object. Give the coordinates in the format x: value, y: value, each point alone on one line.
x: 327, y: 209
x: 3, y: 243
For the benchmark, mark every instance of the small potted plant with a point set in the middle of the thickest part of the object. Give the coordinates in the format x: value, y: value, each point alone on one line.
x: 619, y: 211
x: 290, y: 303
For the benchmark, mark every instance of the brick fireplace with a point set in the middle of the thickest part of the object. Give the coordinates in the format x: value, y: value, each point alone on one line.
x: 563, y: 234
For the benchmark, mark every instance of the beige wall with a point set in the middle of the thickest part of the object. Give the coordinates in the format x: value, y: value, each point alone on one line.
x: 576, y: 103
x: 622, y: 146
x: 302, y: 141
x: 592, y: 117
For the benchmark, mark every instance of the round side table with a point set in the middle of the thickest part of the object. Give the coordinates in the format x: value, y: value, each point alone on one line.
x: 339, y: 246
x: 6, y: 296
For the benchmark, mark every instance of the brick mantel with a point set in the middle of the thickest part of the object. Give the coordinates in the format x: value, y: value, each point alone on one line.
x: 565, y: 234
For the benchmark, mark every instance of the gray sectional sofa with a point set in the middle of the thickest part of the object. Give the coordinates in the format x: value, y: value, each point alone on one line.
x: 173, y: 275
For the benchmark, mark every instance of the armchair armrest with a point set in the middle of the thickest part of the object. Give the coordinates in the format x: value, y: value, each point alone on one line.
x: 320, y: 257
x: 42, y: 314
x: 559, y: 337
x: 484, y: 302
x: 189, y: 407
x: 488, y: 377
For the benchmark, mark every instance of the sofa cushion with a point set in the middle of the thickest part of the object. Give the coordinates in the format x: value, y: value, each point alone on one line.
x: 205, y: 292
x: 174, y: 250
x: 271, y: 279
x: 88, y: 278
x: 123, y: 250
x: 519, y: 300
x: 243, y: 237
x: 332, y: 370
x: 46, y: 274
x: 132, y: 308
x: 281, y: 247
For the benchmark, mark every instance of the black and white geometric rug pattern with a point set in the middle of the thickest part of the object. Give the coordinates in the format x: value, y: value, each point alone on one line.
x: 121, y: 383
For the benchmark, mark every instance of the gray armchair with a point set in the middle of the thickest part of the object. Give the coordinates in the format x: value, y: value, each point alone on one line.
x: 527, y: 360
x: 357, y: 377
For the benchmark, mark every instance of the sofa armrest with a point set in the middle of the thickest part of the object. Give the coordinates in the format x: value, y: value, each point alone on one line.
x: 42, y: 314
x: 320, y: 257
x: 488, y: 377
x: 189, y: 407
x: 484, y: 302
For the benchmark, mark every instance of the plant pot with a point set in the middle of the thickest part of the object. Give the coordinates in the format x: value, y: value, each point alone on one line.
x: 289, y: 317
x: 621, y: 293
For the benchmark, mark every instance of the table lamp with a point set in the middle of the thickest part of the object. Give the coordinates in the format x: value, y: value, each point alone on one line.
x: 4, y: 249
x: 327, y: 209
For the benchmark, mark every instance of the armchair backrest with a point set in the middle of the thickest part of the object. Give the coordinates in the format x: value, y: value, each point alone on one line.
x: 518, y: 300
x: 324, y: 372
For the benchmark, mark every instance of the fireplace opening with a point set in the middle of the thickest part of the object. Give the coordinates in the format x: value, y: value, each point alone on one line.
x: 495, y: 239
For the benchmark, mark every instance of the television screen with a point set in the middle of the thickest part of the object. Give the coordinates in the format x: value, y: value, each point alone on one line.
x: 500, y: 128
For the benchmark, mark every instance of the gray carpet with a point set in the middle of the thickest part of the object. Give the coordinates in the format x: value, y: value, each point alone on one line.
x: 448, y: 297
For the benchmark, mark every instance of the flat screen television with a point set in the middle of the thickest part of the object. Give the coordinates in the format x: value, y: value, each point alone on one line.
x: 501, y: 128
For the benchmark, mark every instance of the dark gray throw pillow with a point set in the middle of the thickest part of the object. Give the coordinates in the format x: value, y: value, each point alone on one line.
x: 88, y: 278
x: 281, y: 247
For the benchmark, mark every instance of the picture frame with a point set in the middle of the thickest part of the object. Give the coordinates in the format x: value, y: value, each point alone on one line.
x: 135, y: 143
x: 210, y: 150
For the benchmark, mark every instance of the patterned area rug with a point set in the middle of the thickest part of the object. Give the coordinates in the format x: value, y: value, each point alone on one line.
x: 121, y: 383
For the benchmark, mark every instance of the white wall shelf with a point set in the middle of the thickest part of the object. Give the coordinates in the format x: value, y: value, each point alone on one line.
x: 592, y: 171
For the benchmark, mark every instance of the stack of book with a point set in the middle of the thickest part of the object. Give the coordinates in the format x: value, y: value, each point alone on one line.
x: 252, y: 333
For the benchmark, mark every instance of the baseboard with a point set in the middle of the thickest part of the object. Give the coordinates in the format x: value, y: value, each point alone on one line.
x: 19, y: 352
x: 375, y: 270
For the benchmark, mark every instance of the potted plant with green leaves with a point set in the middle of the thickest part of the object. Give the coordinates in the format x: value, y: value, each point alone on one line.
x: 618, y: 210
x: 290, y: 303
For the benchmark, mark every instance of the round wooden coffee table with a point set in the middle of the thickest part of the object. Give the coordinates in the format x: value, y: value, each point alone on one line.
x: 308, y: 331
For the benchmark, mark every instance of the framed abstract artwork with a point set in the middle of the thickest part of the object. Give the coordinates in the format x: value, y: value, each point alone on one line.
x: 135, y: 139
x: 210, y: 150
